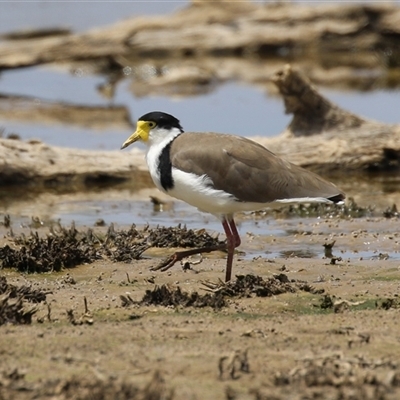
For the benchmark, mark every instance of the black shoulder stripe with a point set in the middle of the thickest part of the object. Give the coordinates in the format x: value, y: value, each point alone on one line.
x: 165, y: 168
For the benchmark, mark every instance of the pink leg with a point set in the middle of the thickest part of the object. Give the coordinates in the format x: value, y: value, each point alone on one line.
x: 235, y: 232
x: 232, y: 241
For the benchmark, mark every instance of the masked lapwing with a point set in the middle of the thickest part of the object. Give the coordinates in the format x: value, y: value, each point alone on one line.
x: 223, y: 174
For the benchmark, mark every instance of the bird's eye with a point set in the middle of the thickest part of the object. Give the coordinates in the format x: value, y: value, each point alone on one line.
x: 152, y: 124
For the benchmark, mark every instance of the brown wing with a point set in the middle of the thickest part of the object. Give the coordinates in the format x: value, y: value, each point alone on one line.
x: 246, y: 169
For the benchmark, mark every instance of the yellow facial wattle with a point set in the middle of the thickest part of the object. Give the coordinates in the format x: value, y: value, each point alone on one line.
x: 142, y: 133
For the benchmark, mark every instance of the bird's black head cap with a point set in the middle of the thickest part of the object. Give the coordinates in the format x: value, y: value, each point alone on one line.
x: 162, y: 120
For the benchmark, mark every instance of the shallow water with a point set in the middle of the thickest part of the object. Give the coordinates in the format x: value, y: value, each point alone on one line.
x: 262, y: 237
x: 231, y: 108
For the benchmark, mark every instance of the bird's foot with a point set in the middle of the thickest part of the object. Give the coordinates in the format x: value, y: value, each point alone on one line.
x: 167, y: 263
x: 214, y: 287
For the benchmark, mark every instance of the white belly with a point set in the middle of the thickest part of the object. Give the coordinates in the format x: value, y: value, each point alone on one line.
x: 194, y: 190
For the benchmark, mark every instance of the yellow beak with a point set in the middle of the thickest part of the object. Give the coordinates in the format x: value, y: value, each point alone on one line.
x: 141, y: 133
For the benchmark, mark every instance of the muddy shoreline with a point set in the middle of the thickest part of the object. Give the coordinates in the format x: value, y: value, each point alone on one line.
x: 249, y: 348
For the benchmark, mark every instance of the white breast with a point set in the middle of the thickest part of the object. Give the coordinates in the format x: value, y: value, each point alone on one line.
x: 152, y: 158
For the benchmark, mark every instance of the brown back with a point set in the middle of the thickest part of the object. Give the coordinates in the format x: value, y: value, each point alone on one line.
x: 246, y: 169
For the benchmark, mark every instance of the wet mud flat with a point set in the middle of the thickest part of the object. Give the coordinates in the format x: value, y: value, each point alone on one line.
x: 289, y: 326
